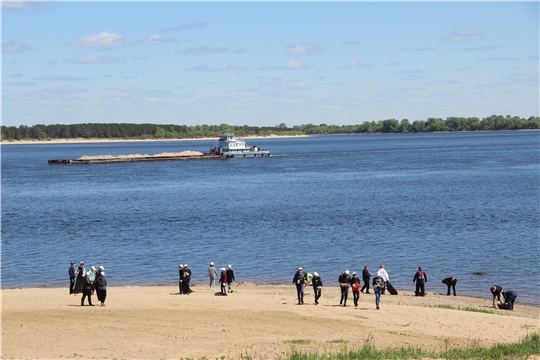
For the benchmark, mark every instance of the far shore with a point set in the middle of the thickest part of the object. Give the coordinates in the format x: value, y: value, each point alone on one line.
x: 254, y: 321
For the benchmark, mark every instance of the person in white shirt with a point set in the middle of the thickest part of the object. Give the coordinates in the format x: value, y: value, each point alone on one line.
x: 384, y: 276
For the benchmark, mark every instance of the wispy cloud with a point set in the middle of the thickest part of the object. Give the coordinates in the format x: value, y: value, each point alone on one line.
x: 155, y: 39
x: 441, y: 82
x: 203, y: 68
x: 188, y: 26
x: 102, y: 40
x: 20, y: 83
x: 202, y: 50
x: 502, y: 59
x: 267, y: 67
x: 303, y: 50
x: 391, y: 64
x: 412, y: 74
x: 18, y: 5
x: 294, y: 65
x: 239, y: 51
x: 355, y: 64
x: 58, y: 78
x: 463, y: 36
x: 93, y: 59
x: 16, y: 75
x: 418, y: 49
x: 465, y: 68
x: 14, y: 47
x: 526, y: 76
x: 236, y: 67
x: 480, y: 48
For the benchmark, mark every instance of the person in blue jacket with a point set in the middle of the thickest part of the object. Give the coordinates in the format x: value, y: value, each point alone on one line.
x: 509, y: 298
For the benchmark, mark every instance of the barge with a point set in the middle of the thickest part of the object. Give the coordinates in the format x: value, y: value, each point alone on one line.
x: 226, y: 147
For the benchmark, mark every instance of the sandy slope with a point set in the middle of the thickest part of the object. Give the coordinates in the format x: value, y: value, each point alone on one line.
x: 157, y: 323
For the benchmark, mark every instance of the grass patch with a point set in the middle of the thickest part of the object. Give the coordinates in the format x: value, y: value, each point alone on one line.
x: 460, y: 308
x: 530, y: 345
x: 298, y: 342
x: 337, y: 341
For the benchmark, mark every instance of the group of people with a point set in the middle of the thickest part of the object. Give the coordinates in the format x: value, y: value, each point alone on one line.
x: 88, y: 282
x: 509, y: 296
x: 226, y: 278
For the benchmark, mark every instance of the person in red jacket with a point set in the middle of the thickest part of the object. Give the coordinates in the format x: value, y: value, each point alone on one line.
x: 223, y: 281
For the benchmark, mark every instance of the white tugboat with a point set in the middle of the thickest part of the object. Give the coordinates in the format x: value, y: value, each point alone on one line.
x: 231, y: 147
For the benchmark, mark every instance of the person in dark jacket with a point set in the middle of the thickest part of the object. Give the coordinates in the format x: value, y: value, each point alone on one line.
x: 71, y: 273
x: 223, y: 281
x: 299, y: 280
x: 421, y: 278
x: 355, y: 286
x: 366, y: 276
x: 509, y: 298
x: 496, y: 291
x: 180, y: 279
x: 316, y: 282
x: 450, y: 283
x: 79, y: 283
x: 378, y: 288
x: 186, y: 279
x: 343, y: 280
x: 230, y: 277
x: 101, y: 287
x: 87, y: 287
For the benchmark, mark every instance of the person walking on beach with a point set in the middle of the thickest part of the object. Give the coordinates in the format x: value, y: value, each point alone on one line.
x: 212, y: 275
x: 299, y: 280
x: 97, y: 275
x: 421, y: 278
x: 378, y: 288
x: 355, y: 287
x: 316, y: 282
x: 450, y: 283
x: 180, y: 279
x: 366, y: 276
x: 230, y: 277
x: 343, y: 280
x: 509, y: 298
x: 88, y: 285
x: 186, y: 279
x: 71, y: 273
x: 79, y: 283
x: 101, y: 287
x: 223, y: 281
x: 496, y: 291
x: 384, y: 276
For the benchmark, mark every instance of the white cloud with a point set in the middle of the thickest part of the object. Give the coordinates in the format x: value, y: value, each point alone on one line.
x: 294, y: 65
x: 239, y: 51
x: 93, y: 59
x: 200, y: 68
x: 58, y: 78
x: 268, y: 67
x: 20, y: 83
x: 411, y: 74
x: 355, y: 64
x: 17, y: 5
x: 526, y: 76
x: 480, y: 48
x: 102, y: 40
x: 202, y: 50
x: 191, y: 25
x: 463, y: 36
x: 155, y: 39
x: 14, y: 47
x: 303, y: 50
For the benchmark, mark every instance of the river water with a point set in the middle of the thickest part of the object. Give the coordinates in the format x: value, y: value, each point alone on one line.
x: 455, y: 203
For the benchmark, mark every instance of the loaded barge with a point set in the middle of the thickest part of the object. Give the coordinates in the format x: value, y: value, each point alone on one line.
x: 226, y: 147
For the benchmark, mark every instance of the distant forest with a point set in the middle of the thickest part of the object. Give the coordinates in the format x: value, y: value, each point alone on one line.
x: 154, y: 131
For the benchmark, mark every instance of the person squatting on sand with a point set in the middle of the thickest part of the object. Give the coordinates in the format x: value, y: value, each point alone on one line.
x: 212, y: 275
x: 317, y: 286
x: 230, y: 277
x: 223, y: 281
x: 450, y: 283
x: 509, y: 298
x: 496, y: 291
x: 421, y: 278
x: 378, y: 288
x: 299, y: 280
x: 71, y: 273
x: 384, y: 276
x: 101, y: 287
x: 343, y: 280
x: 186, y: 279
x: 366, y: 276
x: 355, y: 287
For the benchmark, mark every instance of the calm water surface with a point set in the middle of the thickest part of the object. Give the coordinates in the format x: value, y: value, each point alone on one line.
x: 455, y: 203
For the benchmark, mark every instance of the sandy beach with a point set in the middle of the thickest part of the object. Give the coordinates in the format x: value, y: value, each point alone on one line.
x: 262, y: 321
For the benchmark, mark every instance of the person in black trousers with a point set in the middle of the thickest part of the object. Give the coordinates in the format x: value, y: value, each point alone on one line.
x: 181, y: 278
x: 101, y: 287
x: 343, y: 280
x: 299, y: 280
x: 355, y: 286
x: 496, y: 291
x: 88, y: 285
x: 451, y: 283
x: 230, y: 278
x: 421, y: 278
x: 71, y: 273
x: 366, y: 276
x: 186, y: 280
x: 317, y: 286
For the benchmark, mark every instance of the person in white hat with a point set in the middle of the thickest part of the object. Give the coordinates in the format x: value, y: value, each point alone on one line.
x: 101, y: 287
x: 223, y: 281
x: 316, y: 282
x: 212, y: 275
x: 299, y: 280
x: 344, y: 280
x: 230, y: 277
x: 88, y: 286
x: 186, y: 280
x: 378, y: 288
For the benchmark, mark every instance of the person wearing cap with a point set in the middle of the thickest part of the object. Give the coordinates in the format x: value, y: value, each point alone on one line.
x: 230, y: 277
x: 79, y: 283
x: 344, y: 280
x: 101, y: 287
x: 366, y: 276
x: 421, y: 278
x: 88, y: 285
x: 223, y: 281
x: 180, y: 278
x: 212, y: 275
x: 71, y: 273
x: 299, y: 280
x: 384, y: 276
x: 378, y: 288
x: 496, y: 291
x: 186, y: 280
x: 316, y: 282
x: 450, y: 283
x: 355, y: 286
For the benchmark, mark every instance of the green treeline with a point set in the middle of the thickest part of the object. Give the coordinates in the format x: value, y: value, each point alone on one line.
x: 154, y: 131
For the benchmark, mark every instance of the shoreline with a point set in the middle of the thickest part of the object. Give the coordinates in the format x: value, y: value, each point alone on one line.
x: 261, y: 321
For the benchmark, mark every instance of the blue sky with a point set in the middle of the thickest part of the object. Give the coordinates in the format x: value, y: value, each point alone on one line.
x: 268, y: 63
